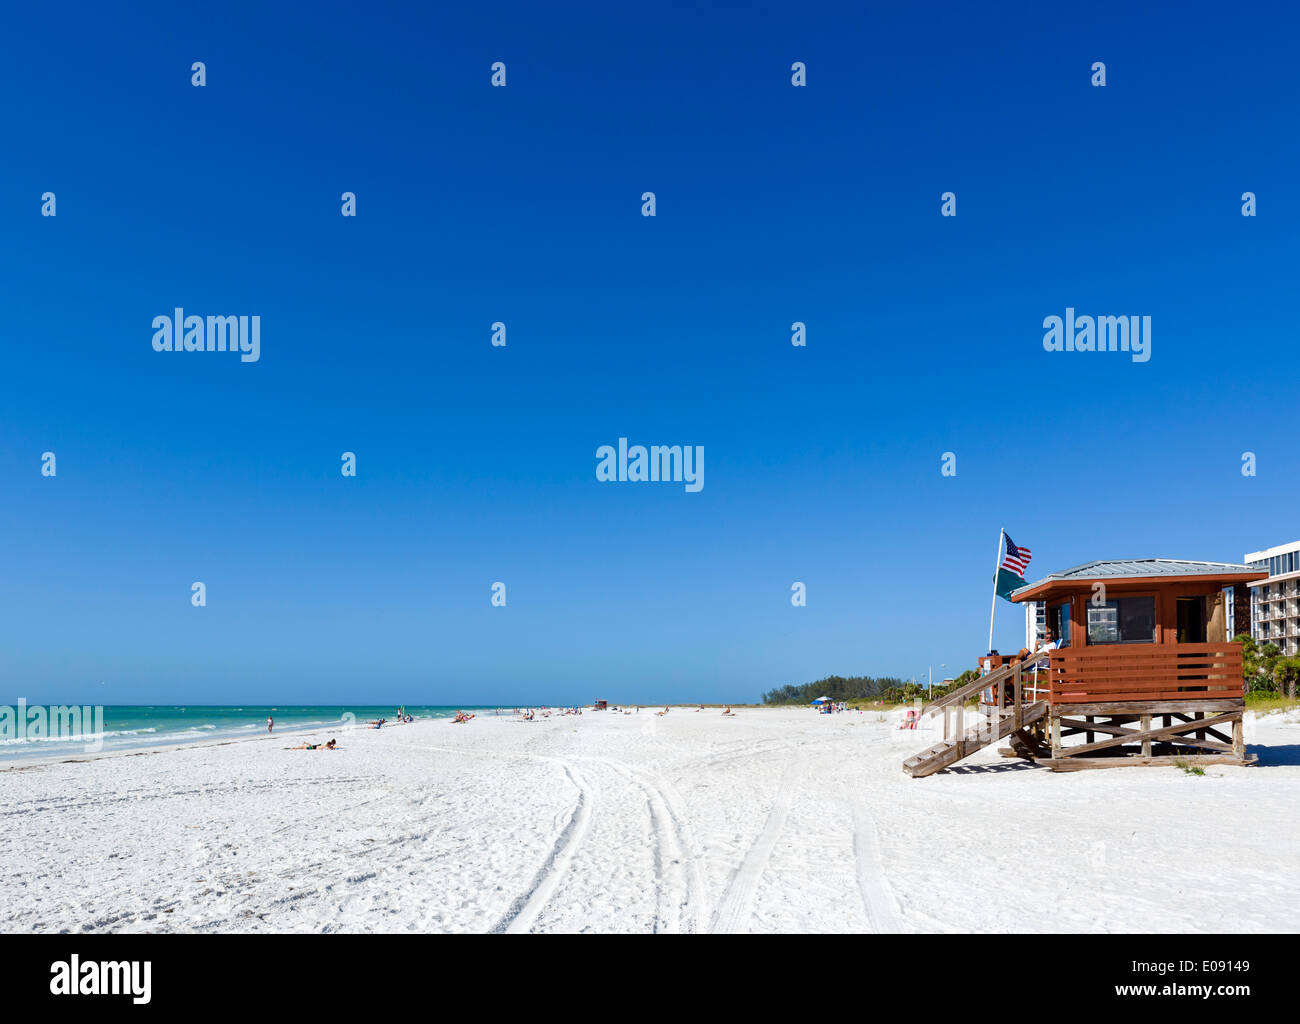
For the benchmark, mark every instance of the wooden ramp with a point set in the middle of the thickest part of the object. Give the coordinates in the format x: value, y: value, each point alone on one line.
x: 988, y: 730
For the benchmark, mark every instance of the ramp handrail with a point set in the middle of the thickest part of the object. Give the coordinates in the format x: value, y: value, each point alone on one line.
x: 998, y: 675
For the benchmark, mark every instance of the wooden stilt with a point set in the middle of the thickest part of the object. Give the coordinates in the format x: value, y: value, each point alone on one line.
x: 1135, y: 739
x: 1074, y: 764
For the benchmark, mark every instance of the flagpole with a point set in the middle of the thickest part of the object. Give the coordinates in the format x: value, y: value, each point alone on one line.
x: 993, y: 604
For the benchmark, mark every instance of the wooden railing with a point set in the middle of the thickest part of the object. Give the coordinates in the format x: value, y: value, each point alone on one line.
x: 1008, y: 684
x: 1095, y: 675
x: 959, y: 696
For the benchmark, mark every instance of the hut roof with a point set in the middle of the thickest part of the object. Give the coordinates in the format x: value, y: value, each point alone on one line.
x: 1141, y: 569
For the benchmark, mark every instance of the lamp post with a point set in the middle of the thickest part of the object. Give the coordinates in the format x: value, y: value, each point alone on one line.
x: 929, y: 688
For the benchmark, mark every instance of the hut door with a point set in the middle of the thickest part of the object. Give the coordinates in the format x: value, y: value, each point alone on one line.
x: 1191, y: 620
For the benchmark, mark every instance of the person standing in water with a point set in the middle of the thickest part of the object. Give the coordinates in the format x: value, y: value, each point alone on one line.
x: 270, y: 723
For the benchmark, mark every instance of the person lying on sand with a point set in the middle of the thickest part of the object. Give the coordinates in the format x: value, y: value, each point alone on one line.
x: 728, y: 712
x: 331, y: 745
x: 461, y: 717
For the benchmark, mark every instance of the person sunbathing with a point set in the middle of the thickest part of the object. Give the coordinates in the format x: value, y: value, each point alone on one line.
x: 461, y: 717
x: 331, y: 745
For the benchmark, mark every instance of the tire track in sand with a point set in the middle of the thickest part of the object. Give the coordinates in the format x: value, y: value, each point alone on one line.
x: 522, y: 913
x: 738, y: 902
x: 745, y: 751
x: 679, y: 889
x: 877, y: 895
x: 694, y: 918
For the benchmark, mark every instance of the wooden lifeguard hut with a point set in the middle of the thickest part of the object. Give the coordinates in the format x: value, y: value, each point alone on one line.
x: 1145, y: 674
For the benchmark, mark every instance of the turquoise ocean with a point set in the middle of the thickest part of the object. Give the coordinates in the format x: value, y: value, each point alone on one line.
x: 128, y: 727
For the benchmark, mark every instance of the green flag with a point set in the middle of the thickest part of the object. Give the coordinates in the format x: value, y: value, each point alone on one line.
x: 1007, y: 582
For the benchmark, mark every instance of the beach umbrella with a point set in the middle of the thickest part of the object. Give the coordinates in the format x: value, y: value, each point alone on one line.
x: 820, y: 700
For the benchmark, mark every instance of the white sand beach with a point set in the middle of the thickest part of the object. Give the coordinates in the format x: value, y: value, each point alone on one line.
x: 776, y: 820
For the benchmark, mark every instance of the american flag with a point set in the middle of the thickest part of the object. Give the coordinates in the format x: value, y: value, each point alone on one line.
x: 1016, y: 559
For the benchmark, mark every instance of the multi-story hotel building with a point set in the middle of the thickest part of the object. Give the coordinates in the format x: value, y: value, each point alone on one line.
x: 1275, y: 601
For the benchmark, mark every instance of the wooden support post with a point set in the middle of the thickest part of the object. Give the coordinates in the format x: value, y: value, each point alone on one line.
x: 1020, y: 697
x: 1088, y: 735
x: 1205, y: 731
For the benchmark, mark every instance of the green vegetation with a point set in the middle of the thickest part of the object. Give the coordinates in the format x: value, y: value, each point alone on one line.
x: 1189, y: 769
x: 860, y: 690
x: 1265, y: 671
x: 1263, y: 702
x: 838, y: 688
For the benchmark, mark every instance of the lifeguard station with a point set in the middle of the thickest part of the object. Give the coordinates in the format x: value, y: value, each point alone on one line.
x: 1145, y: 675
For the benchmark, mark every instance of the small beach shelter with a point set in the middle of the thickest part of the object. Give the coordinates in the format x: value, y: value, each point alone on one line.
x: 1145, y: 671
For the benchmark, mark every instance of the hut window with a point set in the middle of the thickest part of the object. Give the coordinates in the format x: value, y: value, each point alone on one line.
x: 1058, y: 621
x: 1124, y: 620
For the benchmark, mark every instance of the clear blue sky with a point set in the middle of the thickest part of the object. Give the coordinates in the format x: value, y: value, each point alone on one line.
x: 522, y: 204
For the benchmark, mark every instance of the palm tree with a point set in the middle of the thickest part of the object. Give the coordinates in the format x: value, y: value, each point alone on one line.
x: 1257, y: 663
x: 1285, y: 673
